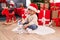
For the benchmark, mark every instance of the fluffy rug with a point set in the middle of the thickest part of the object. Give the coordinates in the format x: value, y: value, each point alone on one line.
x: 41, y: 30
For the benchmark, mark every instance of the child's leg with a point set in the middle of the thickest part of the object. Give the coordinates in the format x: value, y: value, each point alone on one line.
x: 33, y: 27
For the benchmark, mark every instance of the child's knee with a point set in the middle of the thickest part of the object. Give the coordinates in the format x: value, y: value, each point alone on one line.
x: 33, y: 27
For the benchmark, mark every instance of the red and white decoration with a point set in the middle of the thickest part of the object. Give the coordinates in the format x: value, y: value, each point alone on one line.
x: 44, y: 17
x: 56, y: 2
x: 33, y: 7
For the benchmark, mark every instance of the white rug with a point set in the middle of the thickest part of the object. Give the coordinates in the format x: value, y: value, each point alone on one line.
x: 44, y: 30
x: 41, y: 30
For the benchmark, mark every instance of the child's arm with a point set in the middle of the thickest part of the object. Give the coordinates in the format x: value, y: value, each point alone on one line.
x: 32, y: 22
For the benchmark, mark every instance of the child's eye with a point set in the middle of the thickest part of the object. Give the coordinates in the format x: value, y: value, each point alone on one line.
x: 29, y: 9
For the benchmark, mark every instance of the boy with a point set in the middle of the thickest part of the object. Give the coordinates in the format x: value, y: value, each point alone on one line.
x: 31, y: 20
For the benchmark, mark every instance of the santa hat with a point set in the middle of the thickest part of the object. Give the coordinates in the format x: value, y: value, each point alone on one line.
x: 34, y: 7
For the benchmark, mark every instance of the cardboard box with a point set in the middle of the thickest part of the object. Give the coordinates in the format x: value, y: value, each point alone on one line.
x: 54, y: 14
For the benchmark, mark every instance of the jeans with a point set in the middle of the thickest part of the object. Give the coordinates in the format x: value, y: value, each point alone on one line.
x: 33, y: 26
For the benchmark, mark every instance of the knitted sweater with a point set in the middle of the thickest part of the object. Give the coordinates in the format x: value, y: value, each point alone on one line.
x: 31, y: 19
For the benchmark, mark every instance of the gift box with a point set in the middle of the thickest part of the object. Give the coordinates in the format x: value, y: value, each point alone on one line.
x: 55, y: 14
x: 45, y: 18
x: 56, y: 22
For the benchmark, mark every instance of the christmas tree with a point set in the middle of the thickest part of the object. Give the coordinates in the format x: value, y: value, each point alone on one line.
x: 37, y: 2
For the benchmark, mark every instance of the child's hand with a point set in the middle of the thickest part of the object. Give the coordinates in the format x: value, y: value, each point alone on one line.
x: 25, y: 26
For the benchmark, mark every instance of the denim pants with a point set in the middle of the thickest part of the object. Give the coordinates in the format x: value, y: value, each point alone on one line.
x: 33, y: 26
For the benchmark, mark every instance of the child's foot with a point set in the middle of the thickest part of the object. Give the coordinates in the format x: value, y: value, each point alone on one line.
x: 29, y: 30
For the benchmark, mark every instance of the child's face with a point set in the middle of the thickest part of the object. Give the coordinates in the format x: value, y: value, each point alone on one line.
x: 31, y: 12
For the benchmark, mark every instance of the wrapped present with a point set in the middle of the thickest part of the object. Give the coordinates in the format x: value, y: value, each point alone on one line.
x: 40, y: 15
x: 52, y: 6
x: 56, y: 21
x: 55, y: 14
x: 47, y: 16
x: 44, y: 17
